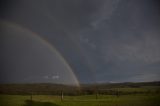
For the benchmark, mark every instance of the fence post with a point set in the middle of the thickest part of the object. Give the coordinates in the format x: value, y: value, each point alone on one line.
x: 61, y: 95
x: 31, y: 97
x: 96, y: 95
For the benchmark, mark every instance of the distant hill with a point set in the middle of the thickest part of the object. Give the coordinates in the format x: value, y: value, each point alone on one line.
x: 56, y: 89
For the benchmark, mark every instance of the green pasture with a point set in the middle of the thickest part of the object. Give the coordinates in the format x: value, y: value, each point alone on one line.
x: 85, y: 100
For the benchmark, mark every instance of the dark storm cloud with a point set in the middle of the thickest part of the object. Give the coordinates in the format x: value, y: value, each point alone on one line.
x: 127, y: 42
x: 106, y: 40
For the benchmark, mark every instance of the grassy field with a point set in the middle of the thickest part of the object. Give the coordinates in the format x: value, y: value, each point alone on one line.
x: 126, y: 94
x: 86, y: 100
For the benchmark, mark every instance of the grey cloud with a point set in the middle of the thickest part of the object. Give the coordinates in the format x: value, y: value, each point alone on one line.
x: 143, y: 51
x: 104, y: 12
x: 107, y: 40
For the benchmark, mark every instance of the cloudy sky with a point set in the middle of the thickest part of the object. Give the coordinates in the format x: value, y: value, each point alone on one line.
x: 80, y: 41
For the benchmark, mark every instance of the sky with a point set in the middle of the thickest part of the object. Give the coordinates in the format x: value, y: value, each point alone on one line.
x: 79, y: 41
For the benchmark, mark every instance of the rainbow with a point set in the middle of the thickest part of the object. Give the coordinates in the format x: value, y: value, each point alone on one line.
x: 44, y: 42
